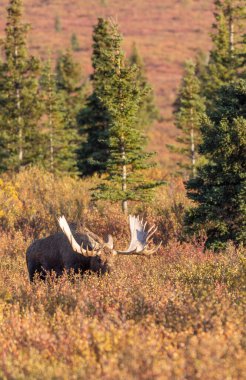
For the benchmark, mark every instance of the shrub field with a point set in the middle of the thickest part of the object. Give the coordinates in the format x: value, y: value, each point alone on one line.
x: 176, y: 315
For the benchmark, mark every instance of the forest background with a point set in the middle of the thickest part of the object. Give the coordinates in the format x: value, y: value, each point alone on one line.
x: 166, y: 34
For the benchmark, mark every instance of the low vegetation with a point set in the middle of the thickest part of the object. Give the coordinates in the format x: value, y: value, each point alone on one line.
x: 176, y: 315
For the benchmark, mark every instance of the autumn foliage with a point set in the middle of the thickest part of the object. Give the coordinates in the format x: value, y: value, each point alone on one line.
x: 176, y: 315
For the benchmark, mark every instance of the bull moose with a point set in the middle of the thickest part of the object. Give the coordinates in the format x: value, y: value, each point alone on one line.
x: 80, y: 252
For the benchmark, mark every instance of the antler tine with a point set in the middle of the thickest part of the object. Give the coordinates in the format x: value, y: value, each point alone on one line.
x: 83, y: 250
x: 139, y: 237
x: 88, y: 252
x: 109, y: 242
x: 149, y: 252
x: 151, y: 234
x: 151, y: 228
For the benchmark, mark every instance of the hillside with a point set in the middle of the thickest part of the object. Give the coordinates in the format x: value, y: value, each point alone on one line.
x: 167, y: 33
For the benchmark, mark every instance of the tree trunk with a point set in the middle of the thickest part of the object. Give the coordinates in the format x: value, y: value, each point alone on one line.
x: 231, y: 33
x: 193, y: 157
x: 230, y: 12
x: 51, y: 129
x: 192, y: 145
x: 20, y: 131
x: 124, y: 176
x: 19, y: 126
x: 51, y: 146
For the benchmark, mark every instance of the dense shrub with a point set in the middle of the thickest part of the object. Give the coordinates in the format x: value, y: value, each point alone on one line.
x: 175, y: 315
x: 34, y: 199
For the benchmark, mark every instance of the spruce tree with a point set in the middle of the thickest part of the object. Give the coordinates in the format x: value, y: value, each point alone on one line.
x: 243, y: 57
x: 94, y: 117
x: 189, y: 112
x: 219, y: 188
x: 3, y: 131
x: 58, y: 27
x: 75, y: 42
x: 122, y: 96
x: 201, y: 62
x: 71, y: 86
x: 59, y: 141
x: 69, y: 79
x: 70, y: 83
x: 19, y: 100
x: 148, y: 111
x: 225, y: 56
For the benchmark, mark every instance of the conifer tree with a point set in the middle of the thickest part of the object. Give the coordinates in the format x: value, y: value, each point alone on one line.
x: 219, y: 188
x: 58, y: 27
x: 3, y: 131
x: 59, y: 141
x: 148, y: 111
x: 225, y: 58
x: 69, y: 77
x: 201, y: 62
x: 190, y: 110
x: 75, y: 42
x: 243, y: 57
x: 70, y: 85
x: 69, y: 80
x: 94, y: 117
x: 122, y: 96
x: 19, y: 101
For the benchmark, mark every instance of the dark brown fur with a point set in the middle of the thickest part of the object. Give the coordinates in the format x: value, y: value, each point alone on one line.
x: 54, y: 253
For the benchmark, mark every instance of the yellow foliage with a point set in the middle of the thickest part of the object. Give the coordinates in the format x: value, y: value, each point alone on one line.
x: 10, y: 204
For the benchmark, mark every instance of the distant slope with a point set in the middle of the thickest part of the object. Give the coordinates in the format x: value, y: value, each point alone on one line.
x: 167, y: 32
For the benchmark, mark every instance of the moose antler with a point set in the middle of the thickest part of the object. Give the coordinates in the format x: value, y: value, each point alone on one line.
x: 99, y: 241
x: 76, y: 247
x: 139, y: 244
x: 140, y: 238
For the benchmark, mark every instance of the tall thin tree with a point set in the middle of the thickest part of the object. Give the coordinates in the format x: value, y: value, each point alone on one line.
x: 189, y: 112
x: 94, y: 117
x: 127, y: 159
x: 59, y: 141
x: 148, y: 111
x: 72, y: 86
x: 19, y: 100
